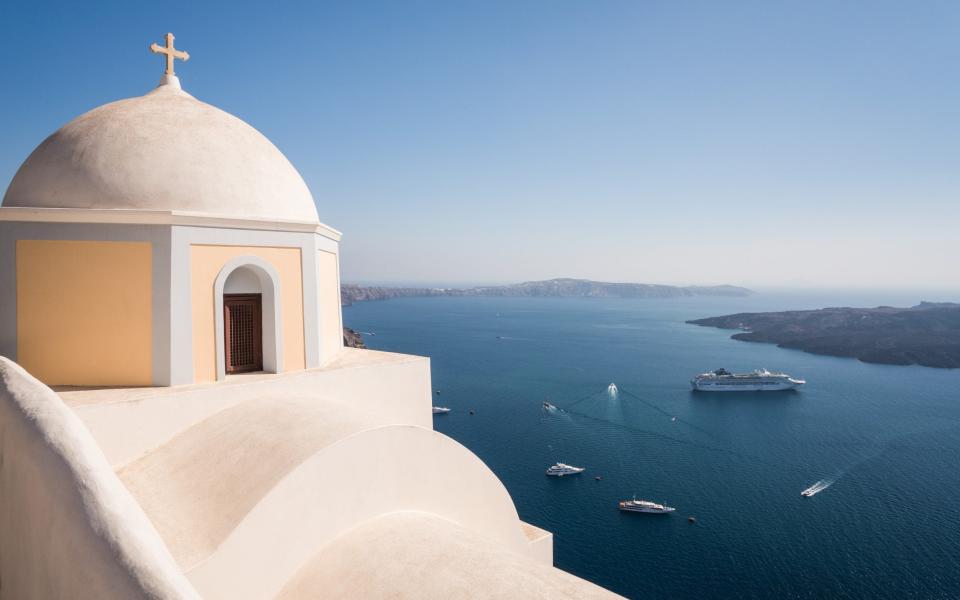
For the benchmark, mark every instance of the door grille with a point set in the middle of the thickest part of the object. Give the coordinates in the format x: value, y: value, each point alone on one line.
x: 242, y: 325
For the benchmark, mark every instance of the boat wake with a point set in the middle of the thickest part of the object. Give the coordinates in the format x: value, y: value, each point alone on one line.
x: 673, y: 418
x: 817, y: 487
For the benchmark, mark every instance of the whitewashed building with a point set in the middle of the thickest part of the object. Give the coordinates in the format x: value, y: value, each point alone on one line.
x: 178, y: 415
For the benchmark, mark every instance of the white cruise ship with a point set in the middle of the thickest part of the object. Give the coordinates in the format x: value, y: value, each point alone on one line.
x: 645, y: 506
x: 560, y: 469
x: 722, y: 380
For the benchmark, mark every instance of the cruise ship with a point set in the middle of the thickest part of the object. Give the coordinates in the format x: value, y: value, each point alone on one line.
x: 722, y: 380
x: 645, y: 506
x: 560, y: 469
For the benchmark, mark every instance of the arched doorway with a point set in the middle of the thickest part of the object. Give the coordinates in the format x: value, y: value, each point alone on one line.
x: 247, y: 298
x: 242, y: 322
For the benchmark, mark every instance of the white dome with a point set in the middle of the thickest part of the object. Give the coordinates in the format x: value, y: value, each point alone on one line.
x: 163, y: 151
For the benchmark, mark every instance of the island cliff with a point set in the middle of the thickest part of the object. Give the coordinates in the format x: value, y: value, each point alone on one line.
x: 352, y: 338
x: 555, y: 288
x: 927, y: 334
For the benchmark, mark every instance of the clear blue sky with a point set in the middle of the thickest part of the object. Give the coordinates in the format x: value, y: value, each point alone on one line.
x: 761, y: 143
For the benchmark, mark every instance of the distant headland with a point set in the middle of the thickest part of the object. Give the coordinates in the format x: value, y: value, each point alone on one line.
x: 550, y: 288
x: 927, y: 334
x: 352, y: 338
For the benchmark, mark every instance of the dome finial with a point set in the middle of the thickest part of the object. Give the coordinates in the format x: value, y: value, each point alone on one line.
x: 169, y: 77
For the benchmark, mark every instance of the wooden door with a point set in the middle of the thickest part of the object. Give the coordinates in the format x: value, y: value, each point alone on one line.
x: 242, y: 324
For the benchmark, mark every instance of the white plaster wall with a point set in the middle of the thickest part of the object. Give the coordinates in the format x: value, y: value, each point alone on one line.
x: 541, y: 543
x: 68, y: 527
x: 366, y: 475
x: 242, y: 281
x: 397, y: 387
x: 328, y: 300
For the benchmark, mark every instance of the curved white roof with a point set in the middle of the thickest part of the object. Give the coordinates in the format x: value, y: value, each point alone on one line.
x: 408, y: 554
x: 164, y: 151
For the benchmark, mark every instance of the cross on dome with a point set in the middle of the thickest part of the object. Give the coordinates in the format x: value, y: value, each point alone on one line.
x: 170, y: 52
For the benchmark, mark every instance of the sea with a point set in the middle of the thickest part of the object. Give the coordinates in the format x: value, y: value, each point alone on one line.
x: 882, y: 442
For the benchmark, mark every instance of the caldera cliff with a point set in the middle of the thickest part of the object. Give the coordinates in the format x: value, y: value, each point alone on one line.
x: 927, y: 334
x: 553, y: 288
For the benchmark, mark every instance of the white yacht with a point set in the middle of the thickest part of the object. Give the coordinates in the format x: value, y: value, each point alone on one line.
x: 560, y: 469
x: 722, y: 380
x: 440, y: 410
x: 645, y: 506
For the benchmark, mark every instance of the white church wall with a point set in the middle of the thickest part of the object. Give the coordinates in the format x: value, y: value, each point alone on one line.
x: 183, y: 237
x: 69, y: 528
x: 395, y: 386
x: 171, y: 235
x: 328, y: 293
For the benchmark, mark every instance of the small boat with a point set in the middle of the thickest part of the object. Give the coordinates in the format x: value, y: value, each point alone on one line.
x: 597, y: 478
x: 691, y: 519
x: 440, y: 410
x: 549, y: 406
x: 612, y: 389
x: 645, y: 506
x: 816, y: 488
x: 560, y: 469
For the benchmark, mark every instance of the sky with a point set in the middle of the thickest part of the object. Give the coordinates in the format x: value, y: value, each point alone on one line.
x: 810, y: 144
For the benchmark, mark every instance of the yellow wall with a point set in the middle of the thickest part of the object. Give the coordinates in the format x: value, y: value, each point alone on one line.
x: 84, y: 312
x: 331, y: 332
x: 205, y: 264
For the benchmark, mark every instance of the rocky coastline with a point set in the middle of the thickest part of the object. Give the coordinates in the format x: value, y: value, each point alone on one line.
x: 927, y: 334
x: 352, y: 338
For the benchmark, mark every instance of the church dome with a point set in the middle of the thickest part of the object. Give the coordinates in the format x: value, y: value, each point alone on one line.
x: 164, y: 151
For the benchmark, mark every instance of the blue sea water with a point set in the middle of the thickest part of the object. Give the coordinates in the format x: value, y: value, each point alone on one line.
x: 888, y: 437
